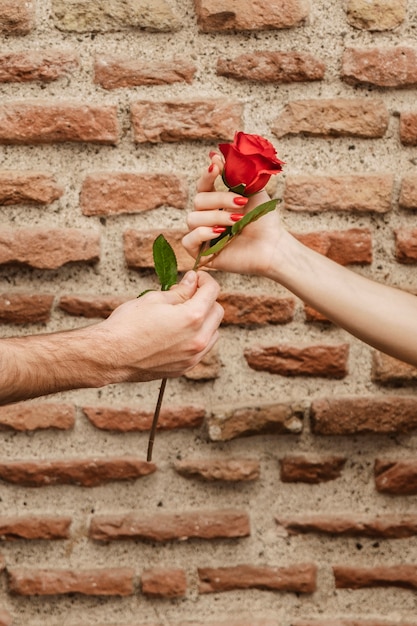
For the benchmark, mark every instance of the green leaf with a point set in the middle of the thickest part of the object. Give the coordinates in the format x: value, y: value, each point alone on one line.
x: 216, y: 245
x: 165, y: 263
x: 252, y: 216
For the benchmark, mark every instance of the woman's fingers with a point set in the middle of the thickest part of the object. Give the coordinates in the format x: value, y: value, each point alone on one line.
x: 210, y: 173
x: 193, y: 240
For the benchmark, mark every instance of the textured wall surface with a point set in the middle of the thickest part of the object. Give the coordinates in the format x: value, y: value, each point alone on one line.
x: 283, y: 484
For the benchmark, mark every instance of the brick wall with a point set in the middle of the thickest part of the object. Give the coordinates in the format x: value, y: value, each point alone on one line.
x: 282, y: 489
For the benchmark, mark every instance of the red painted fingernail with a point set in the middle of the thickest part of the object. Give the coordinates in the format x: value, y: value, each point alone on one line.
x: 235, y: 217
x: 210, y: 168
x: 240, y: 200
x: 219, y: 229
x: 212, y: 154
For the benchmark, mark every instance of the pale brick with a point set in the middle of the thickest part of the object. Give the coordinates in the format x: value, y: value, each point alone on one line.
x: 228, y: 470
x: 114, y: 72
x: 376, y: 15
x: 334, y: 117
x: 304, y: 469
x: 20, y: 308
x: 17, y: 17
x: 30, y: 187
x: 383, y: 67
x: 227, y: 15
x: 386, y: 370
x: 404, y: 576
x: 353, y: 193
x: 359, y: 621
x: 104, y: 15
x: 345, y: 247
x: 35, y: 65
x: 34, y: 527
x: 138, y: 248
x: 297, y: 578
x: 208, y: 119
x: 406, y: 245
x: 274, y: 67
x: 276, y: 419
x: 28, y: 416
x: 161, y: 527
x: 391, y: 526
x: 398, y: 478
x: 88, y: 472
x: 135, y: 420
x: 256, y: 310
x: 48, y: 248
x: 51, y: 582
x: 408, y: 193
x: 317, y: 360
x: 34, y: 122
x: 110, y: 193
x: 408, y: 129
x: 363, y: 415
x: 164, y: 583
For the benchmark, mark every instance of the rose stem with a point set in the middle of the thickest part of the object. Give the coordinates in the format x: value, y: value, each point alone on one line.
x: 155, y: 419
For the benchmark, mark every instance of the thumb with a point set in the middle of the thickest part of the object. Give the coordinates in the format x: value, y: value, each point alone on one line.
x: 185, y: 289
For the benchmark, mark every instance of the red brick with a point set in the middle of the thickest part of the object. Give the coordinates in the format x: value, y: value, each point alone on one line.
x: 34, y: 122
x: 408, y: 194
x: 406, y: 245
x: 175, y: 120
x: 36, y: 65
x: 386, y: 370
x: 378, y: 15
x: 113, y: 72
x: 408, y: 129
x: 34, y: 527
x: 16, y: 16
x: 353, y: 193
x: 103, y: 16
x: 164, y: 583
x: 134, y: 420
x: 383, y: 67
x: 391, y: 526
x: 272, y: 67
x: 19, y: 308
x: 50, y: 582
x: 27, y: 416
x: 302, y: 469
x: 161, y: 527
x: 380, y: 576
x: 314, y: 316
x: 48, y: 248
x: 345, y: 247
x: 17, y: 187
x: 275, y: 419
x: 110, y: 193
x: 208, y: 368
x: 90, y: 306
x: 297, y: 578
x: 256, y: 310
x: 222, y: 15
x: 334, y: 117
x: 319, y: 360
x: 363, y: 415
x: 88, y: 472
x: 138, y: 248
x: 398, y: 478
x: 228, y: 470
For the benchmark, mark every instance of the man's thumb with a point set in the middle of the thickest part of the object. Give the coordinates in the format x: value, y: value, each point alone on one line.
x: 185, y: 289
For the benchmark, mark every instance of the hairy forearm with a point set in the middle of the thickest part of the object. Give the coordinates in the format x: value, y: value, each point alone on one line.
x: 42, y: 364
x: 382, y: 316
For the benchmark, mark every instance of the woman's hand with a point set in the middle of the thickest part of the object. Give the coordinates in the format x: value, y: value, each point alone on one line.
x: 251, y: 251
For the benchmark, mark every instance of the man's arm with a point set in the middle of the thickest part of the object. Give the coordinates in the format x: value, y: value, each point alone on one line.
x: 160, y: 335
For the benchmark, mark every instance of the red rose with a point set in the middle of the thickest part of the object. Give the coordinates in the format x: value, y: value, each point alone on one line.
x: 250, y: 161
